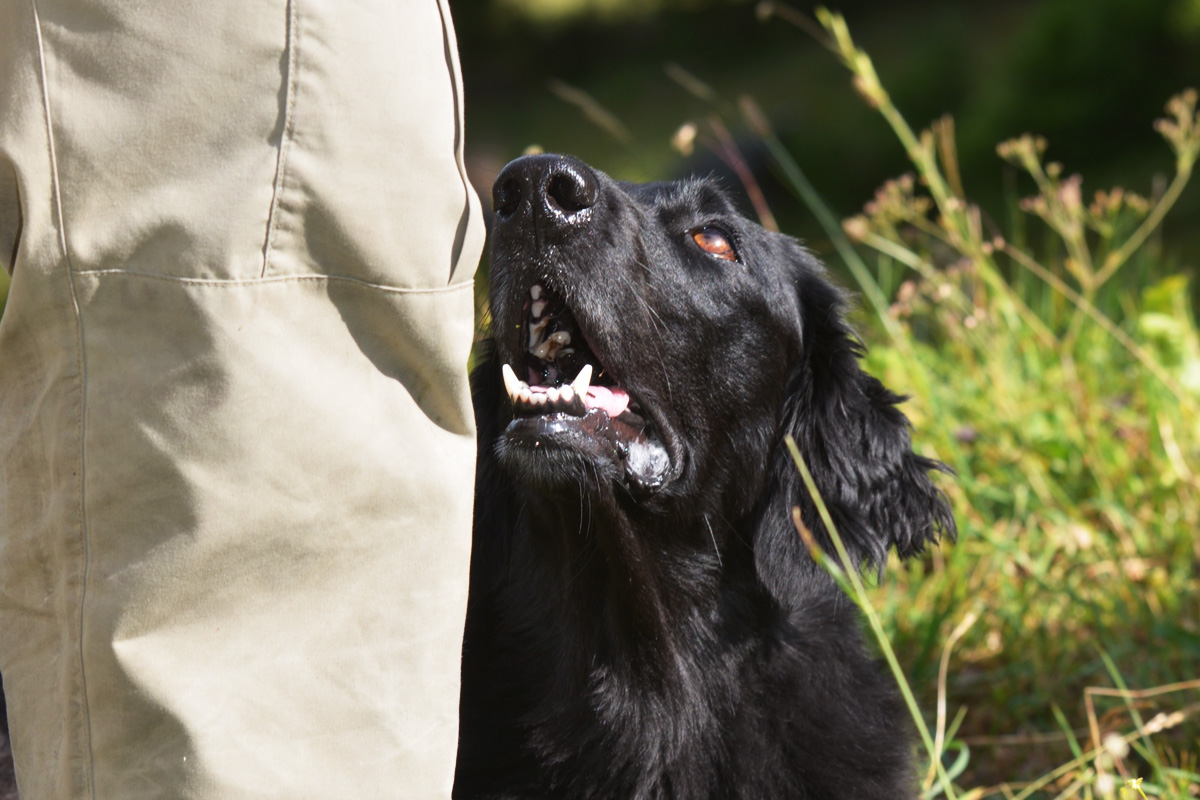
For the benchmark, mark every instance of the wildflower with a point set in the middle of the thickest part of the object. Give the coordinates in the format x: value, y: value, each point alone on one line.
x: 684, y: 140
x: 1116, y: 745
x: 1070, y: 194
x: 857, y: 228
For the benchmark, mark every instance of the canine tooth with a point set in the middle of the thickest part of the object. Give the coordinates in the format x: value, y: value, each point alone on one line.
x: 512, y: 384
x: 561, y: 337
x: 583, y: 380
x: 537, y: 308
x: 535, y: 291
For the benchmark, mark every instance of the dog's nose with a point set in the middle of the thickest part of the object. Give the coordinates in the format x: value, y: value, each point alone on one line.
x: 557, y: 189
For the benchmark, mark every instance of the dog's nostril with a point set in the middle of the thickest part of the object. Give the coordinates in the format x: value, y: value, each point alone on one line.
x: 571, y: 191
x: 506, y: 197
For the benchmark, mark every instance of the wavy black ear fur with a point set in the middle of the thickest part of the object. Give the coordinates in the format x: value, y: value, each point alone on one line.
x: 855, y: 441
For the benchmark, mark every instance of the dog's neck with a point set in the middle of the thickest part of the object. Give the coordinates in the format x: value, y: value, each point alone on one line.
x: 624, y: 614
x: 618, y: 585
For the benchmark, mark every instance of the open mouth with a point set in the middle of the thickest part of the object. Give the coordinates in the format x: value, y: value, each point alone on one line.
x: 562, y: 374
x: 563, y: 395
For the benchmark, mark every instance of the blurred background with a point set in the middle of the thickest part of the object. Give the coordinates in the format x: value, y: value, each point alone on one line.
x: 1089, y: 75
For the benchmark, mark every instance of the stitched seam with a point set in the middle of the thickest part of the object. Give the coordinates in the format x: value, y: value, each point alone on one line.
x: 452, y: 67
x: 237, y: 282
x: 285, y: 135
x: 81, y: 365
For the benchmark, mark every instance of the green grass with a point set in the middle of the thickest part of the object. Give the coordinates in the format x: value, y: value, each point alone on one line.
x: 1055, y: 364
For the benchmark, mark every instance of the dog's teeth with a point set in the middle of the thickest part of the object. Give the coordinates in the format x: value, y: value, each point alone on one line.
x: 512, y: 384
x: 537, y: 308
x: 535, y: 333
x: 566, y: 394
x: 562, y: 338
x: 535, y: 292
x: 583, y: 380
x: 543, y: 350
x: 552, y: 395
x: 525, y: 395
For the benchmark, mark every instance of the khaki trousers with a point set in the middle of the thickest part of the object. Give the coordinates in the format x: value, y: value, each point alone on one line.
x: 236, y: 447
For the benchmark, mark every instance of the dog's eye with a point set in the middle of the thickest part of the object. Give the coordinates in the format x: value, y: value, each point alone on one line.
x: 714, y: 242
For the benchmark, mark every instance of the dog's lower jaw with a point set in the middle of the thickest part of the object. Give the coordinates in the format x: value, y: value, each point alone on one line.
x: 586, y: 454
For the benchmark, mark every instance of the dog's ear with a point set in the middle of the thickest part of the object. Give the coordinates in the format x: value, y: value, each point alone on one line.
x: 855, y: 442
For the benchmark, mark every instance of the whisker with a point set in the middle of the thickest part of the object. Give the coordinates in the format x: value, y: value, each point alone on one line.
x: 659, y: 327
x: 713, y: 536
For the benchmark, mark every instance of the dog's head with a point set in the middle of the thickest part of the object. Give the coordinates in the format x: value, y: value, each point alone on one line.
x: 656, y: 343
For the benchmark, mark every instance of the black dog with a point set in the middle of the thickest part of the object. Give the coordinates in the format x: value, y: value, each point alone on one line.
x: 644, y: 620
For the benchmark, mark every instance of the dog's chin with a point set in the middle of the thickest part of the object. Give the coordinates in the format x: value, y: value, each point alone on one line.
x: 562, y: 451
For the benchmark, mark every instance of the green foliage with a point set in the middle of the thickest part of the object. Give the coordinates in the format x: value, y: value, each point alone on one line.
x: 1062, y: 630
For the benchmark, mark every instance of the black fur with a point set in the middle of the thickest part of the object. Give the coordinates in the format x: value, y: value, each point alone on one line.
x: 662, y: 632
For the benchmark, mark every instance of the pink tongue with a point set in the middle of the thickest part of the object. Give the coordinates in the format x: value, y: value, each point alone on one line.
x: 611, y: 401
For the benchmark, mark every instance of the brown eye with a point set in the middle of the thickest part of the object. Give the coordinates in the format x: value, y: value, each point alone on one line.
x: 713, y: 242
